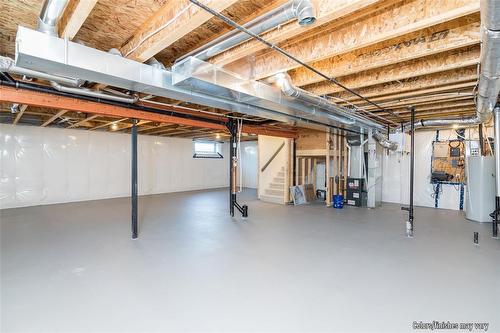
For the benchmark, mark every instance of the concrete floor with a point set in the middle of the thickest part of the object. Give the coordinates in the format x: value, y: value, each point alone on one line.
x: 73, y: 267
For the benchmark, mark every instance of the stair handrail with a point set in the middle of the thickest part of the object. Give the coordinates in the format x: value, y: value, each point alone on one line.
x: 272, y: 157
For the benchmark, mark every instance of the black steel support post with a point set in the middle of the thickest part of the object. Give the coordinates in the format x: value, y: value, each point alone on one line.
x: 409, y: 223
x: 134, y: 179
x: 232, y: 125
x: 412, y: 171
x: 495, y: 218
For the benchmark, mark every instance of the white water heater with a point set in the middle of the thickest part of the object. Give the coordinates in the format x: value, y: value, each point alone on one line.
x: 480, y: 188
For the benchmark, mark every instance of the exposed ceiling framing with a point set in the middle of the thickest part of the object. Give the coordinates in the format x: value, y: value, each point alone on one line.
x: 395, y: 52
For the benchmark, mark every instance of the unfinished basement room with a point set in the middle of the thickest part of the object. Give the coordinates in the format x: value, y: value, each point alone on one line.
x: 249, y: 166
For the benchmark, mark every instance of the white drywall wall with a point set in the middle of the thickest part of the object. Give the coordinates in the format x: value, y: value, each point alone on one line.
x: 50, y: 165
x: 250, y: 163
x: 396, y: 173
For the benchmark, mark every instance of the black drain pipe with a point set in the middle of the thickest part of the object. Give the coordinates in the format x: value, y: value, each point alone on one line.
x: 44, y: 89
x: 232, y: 126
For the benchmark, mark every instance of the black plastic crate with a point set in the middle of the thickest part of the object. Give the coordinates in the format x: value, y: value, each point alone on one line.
x: 357, y: 202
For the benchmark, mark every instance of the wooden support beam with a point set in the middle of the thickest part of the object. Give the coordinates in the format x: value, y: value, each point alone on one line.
x: 441, y: 79
x: 29, y: 97
x: 174, y: 20
x: 438, y: 63
x: 74, y: 16
x: 328, y: 11
x: 426, y: 43
x: 406, y: 18
x: 22, y: 109
x: 54, y: 117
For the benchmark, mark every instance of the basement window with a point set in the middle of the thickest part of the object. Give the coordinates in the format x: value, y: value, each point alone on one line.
x: 207, y: 149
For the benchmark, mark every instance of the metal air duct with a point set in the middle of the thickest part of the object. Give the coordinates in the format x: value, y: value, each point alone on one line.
x: 93, y: 93
x: 7, y: 65
x: 302, y: 10
x: 384, y: 142
x: 341, y: 114
x: 49, y: 16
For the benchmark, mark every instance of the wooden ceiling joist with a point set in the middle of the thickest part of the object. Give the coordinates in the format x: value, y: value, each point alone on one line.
x: 54, y: 117
x: 175, y: 19
x: 109, y: 123
x: 74, y: 16
x: 83, y: 121
x: 427, y: 43
x: 461, y: 75
x: 383, y: 100
x: 22, y: 109
x: 406, y: 18
x: 434, y: 107
x: 327, y: 11
x: 424, y: 66
x: 41, y: 99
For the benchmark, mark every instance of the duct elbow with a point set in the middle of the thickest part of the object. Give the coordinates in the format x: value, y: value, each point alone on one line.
x: 304, y: 11
x: 384, y: 142
x: 49, y: 16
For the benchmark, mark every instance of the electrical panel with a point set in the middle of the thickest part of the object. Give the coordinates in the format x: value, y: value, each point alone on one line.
x: 448, y: 161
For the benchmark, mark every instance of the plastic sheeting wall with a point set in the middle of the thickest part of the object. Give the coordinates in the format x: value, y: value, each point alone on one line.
x: 396, y: 174
x: 250, y: 163
x: 48, y: 165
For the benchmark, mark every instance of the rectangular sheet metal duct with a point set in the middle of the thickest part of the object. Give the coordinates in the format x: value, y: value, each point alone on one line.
x: 192, y: 80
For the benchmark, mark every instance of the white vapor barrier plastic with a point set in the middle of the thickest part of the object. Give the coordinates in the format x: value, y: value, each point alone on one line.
x: 49, y: 165
x: 249, y: 160
x: 396, y: 174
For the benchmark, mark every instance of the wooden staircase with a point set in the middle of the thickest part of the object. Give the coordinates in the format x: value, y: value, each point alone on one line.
x: 275, y: 191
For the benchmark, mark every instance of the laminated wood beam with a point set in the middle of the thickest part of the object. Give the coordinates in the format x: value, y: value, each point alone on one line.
x: 74, y: 16
x: 326, y: 12
x: 405, y: 18
x: 174, y: 20
x: 426, y: 43
x: 424, y: 66
x: 42, y: 99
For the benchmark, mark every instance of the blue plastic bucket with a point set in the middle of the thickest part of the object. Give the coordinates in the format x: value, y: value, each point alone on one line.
x: 338, y: 201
